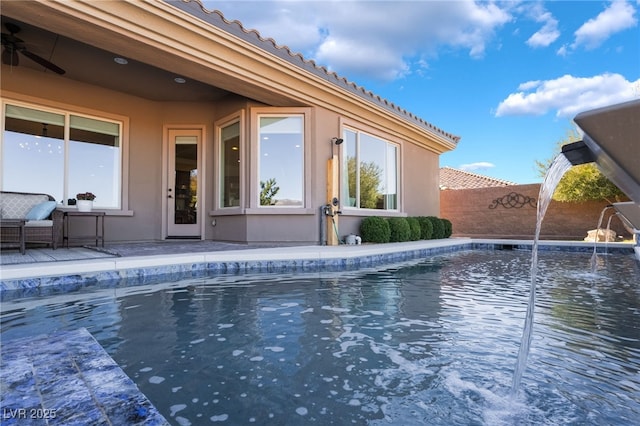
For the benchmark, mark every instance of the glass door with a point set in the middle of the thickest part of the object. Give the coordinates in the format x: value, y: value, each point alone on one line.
x: 183, y: 192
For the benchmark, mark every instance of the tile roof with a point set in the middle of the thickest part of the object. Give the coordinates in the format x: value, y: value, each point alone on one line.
x: 235, y: 27
x: 451, y: 178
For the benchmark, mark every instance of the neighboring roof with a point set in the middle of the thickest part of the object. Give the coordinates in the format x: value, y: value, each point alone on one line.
x: 451, y: 178
x: 236, y: 28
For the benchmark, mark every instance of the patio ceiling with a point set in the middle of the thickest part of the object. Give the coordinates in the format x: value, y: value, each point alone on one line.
x: 89, y: 64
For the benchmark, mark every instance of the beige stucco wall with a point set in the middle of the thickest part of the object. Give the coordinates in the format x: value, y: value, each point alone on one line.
x: 421, y: 176
x: 142, y: 219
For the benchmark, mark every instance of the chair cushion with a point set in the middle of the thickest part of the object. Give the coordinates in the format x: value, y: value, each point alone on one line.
x: 16, y: 206
x: 41, y: 211
x: 39, y: 224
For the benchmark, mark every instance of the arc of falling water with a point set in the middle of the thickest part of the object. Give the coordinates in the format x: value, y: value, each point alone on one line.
x: 594, y: 256
x: 606, y: 238
x: 558, y: 168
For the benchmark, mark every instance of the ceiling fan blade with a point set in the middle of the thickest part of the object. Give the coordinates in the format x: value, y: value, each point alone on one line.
x: 43, y: 62
x: 10, y: 56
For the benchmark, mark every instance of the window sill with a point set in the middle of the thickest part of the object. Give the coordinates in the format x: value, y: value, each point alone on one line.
x: 263, y: 211
x: 372, y: 212
x: 230, y: 211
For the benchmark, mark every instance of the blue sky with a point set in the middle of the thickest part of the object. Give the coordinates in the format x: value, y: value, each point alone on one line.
x: 508, y: 77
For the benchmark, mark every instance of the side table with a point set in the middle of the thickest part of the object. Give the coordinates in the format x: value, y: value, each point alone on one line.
x: 99, y: 231
x: 19, y: 224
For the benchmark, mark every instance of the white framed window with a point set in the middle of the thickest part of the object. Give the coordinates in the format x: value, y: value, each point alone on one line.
x: 62, y: 154
x: 229, y: 164
x: 370, y: 178
x: 280, y: 160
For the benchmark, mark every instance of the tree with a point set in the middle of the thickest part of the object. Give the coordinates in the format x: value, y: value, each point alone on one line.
x: 369, y: 182
x: 268, y: 190
x: 584, y: 182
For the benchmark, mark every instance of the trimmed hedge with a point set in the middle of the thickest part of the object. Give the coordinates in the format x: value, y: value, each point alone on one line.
x: 374, y: 229
x: 400, y: 230
x: 426, y: 228
x: 438, y: 228
x: 448, y: 227
x: 414, y: 226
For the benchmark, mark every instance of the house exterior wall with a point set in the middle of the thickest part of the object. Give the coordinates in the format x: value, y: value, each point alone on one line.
x: 142, y: 219
x: 469, y: 212
x: 421, y: 170
x: 176, y: 42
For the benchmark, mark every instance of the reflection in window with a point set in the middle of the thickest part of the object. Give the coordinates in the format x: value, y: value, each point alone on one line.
x: 281, y: 161
x: 370, y: 172
x: 230, y: 165
x: 94, y: 160
x: 186, y: 180
x: 35, y: 153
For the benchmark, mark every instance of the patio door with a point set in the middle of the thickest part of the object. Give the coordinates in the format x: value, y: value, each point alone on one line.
x: 184, y: 192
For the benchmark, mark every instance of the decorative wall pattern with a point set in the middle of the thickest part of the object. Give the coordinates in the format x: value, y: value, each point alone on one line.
x: 513, y: 200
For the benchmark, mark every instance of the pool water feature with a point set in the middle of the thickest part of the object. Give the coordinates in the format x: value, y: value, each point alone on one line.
x: 423, y: 342
x: 594, y: 256
x: 553, y: 176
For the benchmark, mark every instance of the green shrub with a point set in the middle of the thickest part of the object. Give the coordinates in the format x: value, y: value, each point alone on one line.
x: 438, y: 228
x: 414, y: 226
x: 448, y: 227
x: 426, y: 228
x: 374, y: 229
x: 400, y: 230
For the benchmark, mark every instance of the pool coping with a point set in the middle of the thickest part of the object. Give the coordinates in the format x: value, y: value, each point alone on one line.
x: 60, y: 277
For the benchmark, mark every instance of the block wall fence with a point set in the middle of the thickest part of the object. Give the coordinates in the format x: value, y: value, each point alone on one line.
x: 510, y: 212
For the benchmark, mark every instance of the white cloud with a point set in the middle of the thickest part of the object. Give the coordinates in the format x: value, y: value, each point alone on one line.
x: 569, y: 95
x: 529, y: 85
x: 381, y: 40
x: 480, y: 165
x: 549, y: 31
x: 563, y: 50
x: 619, y: 16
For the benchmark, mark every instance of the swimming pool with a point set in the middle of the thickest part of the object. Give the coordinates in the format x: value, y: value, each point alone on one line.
x: 423, y: 342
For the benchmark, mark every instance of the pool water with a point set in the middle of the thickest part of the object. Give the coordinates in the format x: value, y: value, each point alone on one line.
x: 425, y: 342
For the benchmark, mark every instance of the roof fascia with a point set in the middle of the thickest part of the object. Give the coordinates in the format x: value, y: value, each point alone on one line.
x: 241, y: 66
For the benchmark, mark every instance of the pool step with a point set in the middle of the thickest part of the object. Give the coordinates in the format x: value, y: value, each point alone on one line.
x: 68, y: 378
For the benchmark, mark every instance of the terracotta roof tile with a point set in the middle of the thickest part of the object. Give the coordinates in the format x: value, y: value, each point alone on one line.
x: 253, y: 36
x: 451, y: 178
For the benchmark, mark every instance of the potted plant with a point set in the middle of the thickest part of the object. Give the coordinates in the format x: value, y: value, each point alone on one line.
x: 85, y: 201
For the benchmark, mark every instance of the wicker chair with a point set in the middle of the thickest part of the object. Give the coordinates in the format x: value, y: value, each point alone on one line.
x: 16, y: 205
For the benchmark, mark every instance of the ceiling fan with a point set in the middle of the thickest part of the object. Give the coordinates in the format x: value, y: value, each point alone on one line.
x: 13, y: 45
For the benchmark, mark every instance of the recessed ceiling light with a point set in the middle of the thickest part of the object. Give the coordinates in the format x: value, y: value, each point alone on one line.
x: 121, y: 61
x: 179, y: 80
